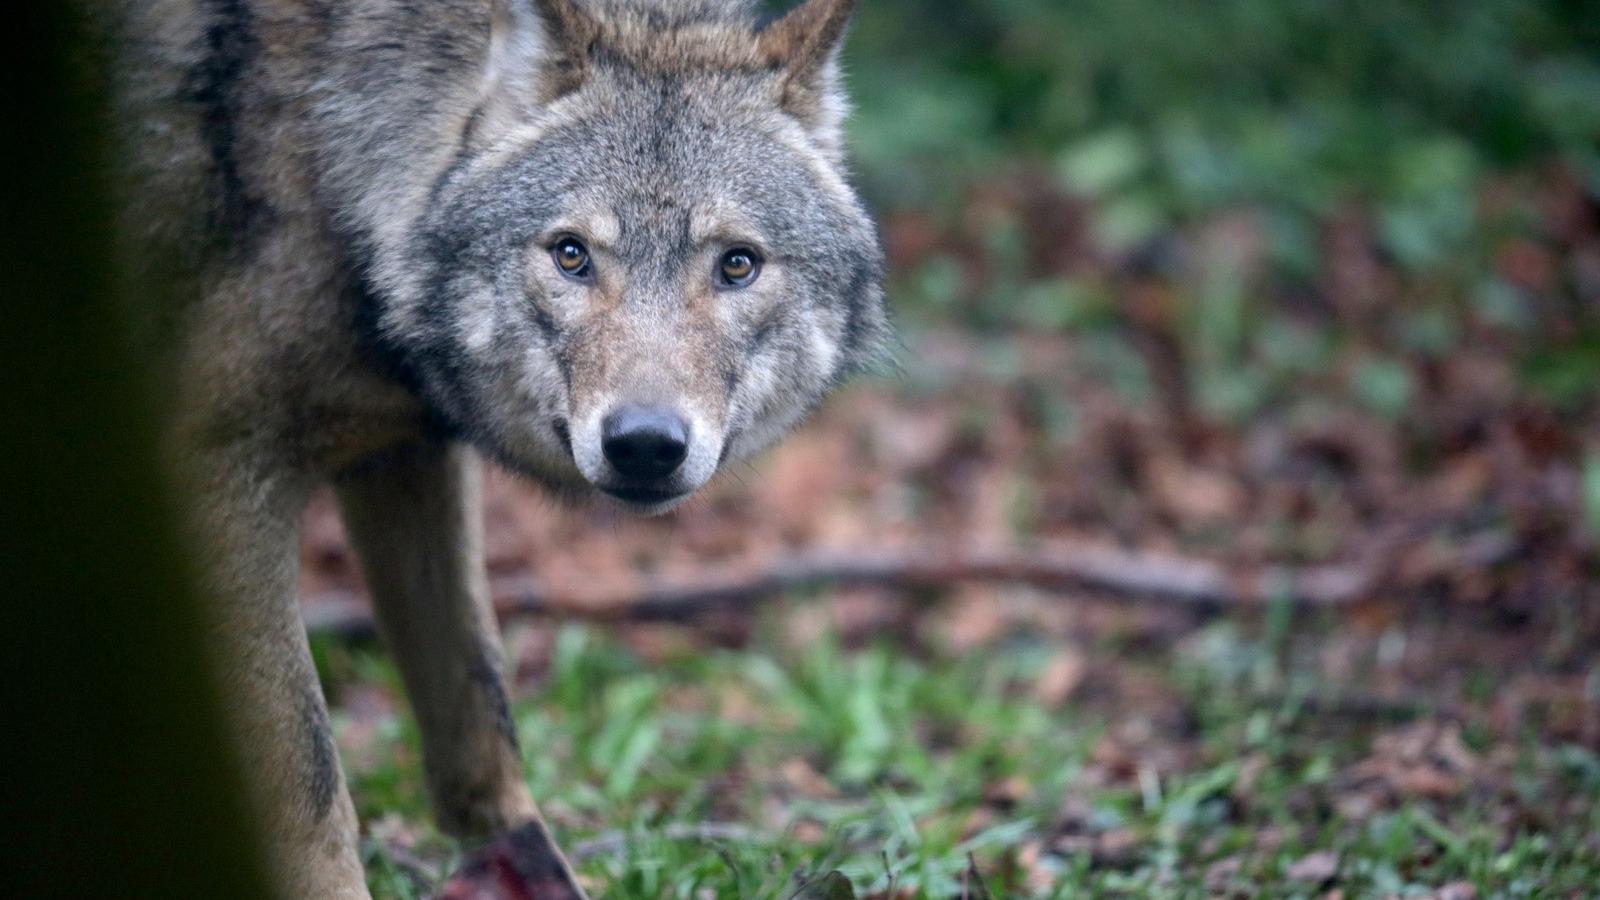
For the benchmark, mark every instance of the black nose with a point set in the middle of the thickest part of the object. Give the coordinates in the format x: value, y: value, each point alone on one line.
x: 644, y: 443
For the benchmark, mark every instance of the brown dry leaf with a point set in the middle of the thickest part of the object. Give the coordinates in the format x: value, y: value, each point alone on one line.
x: 1220, y: 874
x: 1061, y: 677
x: 910, y: 439
x: 1031, y: 858
x: 799, y: 776
x: 657, y: 643
x: 1117, y: 847
x: 1463, y: 482
x: 1194, y: 495
x: 1316, y: 868
x: 1421, y: 760
x: 1008, y: 793
x: 1526, y: 264
x: 1120, y: 762
x: 1428, y: 743
x: 808, y: 832
x: 975, y: 617
x: 1426, y: 782
x: 1456, y: 890
x: 1250, y: 771
x: 735, y: 704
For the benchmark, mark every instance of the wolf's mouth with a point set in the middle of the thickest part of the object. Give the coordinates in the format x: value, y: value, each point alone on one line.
x: 642, y: 496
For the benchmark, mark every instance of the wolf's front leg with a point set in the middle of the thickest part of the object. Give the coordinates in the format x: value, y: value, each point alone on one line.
x: 414, y: 515
x: 247, y: 518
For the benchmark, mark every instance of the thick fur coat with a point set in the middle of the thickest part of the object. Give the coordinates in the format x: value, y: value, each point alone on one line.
x: 609, y: 243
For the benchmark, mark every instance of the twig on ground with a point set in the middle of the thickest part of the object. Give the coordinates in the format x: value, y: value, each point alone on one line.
x: 611, y: 843
x: 420, y: 872
x: 972, y: 886
x: 1199, y: 584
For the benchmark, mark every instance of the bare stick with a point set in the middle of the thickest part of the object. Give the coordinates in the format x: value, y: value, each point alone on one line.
x: 612, y: 843
x: 1198, y: 584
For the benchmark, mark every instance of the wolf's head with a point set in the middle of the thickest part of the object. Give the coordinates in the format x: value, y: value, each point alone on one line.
x: 646, y: 261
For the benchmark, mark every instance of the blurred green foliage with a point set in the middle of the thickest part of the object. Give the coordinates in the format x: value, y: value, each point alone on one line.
x: 1181, y: 106
x: 1282, y: 190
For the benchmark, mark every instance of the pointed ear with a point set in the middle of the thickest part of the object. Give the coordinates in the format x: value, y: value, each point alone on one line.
x: 804, y: 47
x: 538, y: 51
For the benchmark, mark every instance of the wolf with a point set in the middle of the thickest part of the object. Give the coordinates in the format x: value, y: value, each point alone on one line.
x: 611, y: 245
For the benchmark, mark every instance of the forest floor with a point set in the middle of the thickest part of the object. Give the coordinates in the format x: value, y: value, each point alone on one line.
x: 1437, y: 733
x: 1347, y: 642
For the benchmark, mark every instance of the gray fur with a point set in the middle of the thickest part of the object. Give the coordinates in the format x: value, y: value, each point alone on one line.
x: 358, y: 197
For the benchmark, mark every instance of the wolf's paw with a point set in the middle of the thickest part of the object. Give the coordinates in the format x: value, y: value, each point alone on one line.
x: 523, y: 864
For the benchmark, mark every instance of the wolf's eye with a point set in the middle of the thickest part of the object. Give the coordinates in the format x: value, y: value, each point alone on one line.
x: 572, y: 258
x: 738, y: 267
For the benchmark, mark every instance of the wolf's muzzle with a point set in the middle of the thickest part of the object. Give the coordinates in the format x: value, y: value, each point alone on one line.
x: 644, y: 444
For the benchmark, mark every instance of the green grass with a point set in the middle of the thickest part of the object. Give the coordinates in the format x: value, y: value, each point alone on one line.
x: 890, y: 769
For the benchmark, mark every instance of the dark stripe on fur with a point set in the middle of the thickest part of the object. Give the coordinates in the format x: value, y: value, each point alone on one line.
x: 215, y: 85
x: 322, y: 771
x: 551, y: 333
x: 856, y: 339
x: 489, y: 680
x: 765, y: 331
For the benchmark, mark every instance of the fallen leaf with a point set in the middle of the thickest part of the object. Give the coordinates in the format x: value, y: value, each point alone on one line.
x: 1316, y: 868
x: 1221, y: 873
x: 1061, y: 677
x: 1456, y: 890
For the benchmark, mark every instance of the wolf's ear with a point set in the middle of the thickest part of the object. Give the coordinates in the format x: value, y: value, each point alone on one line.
x: 804, y: 47
x: 538, y: 51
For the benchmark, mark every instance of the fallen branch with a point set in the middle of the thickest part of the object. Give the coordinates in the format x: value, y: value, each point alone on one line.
x: 1199, y: 584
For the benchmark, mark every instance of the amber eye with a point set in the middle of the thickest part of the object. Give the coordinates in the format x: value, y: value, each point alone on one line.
x: 572, y: 258
x: 738, y: 267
